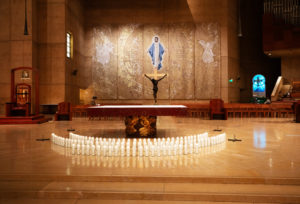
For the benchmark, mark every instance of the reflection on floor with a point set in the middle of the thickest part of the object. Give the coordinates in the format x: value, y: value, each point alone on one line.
x: 267, y: 154
x: 269, y: 147
x: 188, y: 161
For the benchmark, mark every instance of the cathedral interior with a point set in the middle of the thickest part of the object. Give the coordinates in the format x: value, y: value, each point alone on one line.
x: 161, y: 101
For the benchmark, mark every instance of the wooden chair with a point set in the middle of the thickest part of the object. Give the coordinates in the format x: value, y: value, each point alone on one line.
x: 64, y: 111
x: 216, y: 107
x: 16, y: 109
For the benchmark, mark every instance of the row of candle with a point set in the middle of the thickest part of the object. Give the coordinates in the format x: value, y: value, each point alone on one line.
x: 82, y: 145
x: 111, y: 141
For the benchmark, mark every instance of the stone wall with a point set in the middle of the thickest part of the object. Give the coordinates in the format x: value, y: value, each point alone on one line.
x: 51, y: 50
x: 16, y: 49
x: 76, y: 75
x: 126, y: 33
x: 120, y: 58
x: 290, y: 68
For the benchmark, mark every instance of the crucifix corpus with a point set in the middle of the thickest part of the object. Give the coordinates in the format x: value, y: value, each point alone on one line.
x: 156, y: 52
x: 154, y: 78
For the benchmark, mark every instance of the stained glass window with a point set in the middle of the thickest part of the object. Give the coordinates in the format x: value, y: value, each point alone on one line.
x: 259, y: 83
x: 259, y: 86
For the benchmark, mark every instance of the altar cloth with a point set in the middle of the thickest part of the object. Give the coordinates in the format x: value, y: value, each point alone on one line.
x: 137, y: 110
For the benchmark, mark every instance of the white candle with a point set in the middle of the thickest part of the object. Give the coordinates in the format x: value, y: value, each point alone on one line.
x: 122, y: 151
x: 146, y: 151
x: 93, y: 149
x: 133, y: 152
x: 152, y: 150
x: 128, y: 151
x: 158, y: 151
x: 78, y: 149
x: 98, y: 150
x: 191, y: 149
x: 196, y: 148
x: 104, y: 150
x: 185, y: 149
x: 87, y: 149
x: 73, y: 148
x: 164, y: 150
x: 110, y: 150
x: 116, y: 150
x: 180, y: 149
x: 83, y: 149
x: 140, y: 151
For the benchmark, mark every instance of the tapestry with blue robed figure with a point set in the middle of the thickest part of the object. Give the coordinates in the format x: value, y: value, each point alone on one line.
x: 156, y: 52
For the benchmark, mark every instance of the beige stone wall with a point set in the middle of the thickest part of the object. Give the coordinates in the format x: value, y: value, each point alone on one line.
x: 74, y: 24
x: 177, y: 22
x: 120, y: 59
x: 290, y: 68
x: 16, y: 49
x: 225, y: 14
x: 180, y: 25
x: 51, y: 50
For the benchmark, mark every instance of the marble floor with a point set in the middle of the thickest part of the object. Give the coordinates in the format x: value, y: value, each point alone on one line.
x: 269, y: 150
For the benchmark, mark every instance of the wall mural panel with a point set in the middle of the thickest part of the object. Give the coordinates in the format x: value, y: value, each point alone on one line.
x: 105, y: 64
x: 181, y: 42
x: 162, y: 32
x: 207, y: 61
x: 130, y: 62
x: 120, y: 58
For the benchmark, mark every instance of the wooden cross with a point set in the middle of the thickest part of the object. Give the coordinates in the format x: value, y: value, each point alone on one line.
x: 155, y: 75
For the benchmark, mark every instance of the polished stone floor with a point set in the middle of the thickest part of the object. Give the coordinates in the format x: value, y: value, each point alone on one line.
x: 269, y: 149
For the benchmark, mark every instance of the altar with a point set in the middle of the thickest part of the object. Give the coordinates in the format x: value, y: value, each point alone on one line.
x: 140, y: 120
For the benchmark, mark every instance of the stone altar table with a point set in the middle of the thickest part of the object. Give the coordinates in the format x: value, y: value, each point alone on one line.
x: 140, y: 120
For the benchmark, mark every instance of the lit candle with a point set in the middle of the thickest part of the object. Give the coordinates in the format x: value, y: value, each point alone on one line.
x: 116, y: 150
x: 83, y: 149
x: 87, y: 149
x: 93, y: 149
x: 164, y: 151
x: 110, y: 150
x: 133, y: 151
x: 78, y: 149
x: 98, y: 150
x: 140, y: 151
x: 146, y: 151
x: 180, y: 149
x: 196, y: 148
x: 158, y: 151
x: 73, y: 148
x: 128, y: 151
x: 122, y: 151
x: 152, y: 150
x: 185, y: 149
x: 104, y: 150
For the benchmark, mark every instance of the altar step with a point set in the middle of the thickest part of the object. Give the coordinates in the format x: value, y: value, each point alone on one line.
x: 151, y: 191
x: 36, y: 119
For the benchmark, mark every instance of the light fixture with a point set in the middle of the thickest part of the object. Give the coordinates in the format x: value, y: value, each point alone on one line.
x: 25, y: 26
x: 240, y: 34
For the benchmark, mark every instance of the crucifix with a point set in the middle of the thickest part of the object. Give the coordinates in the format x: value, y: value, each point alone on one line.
x: 154, y: 78
x: 257, y: 81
